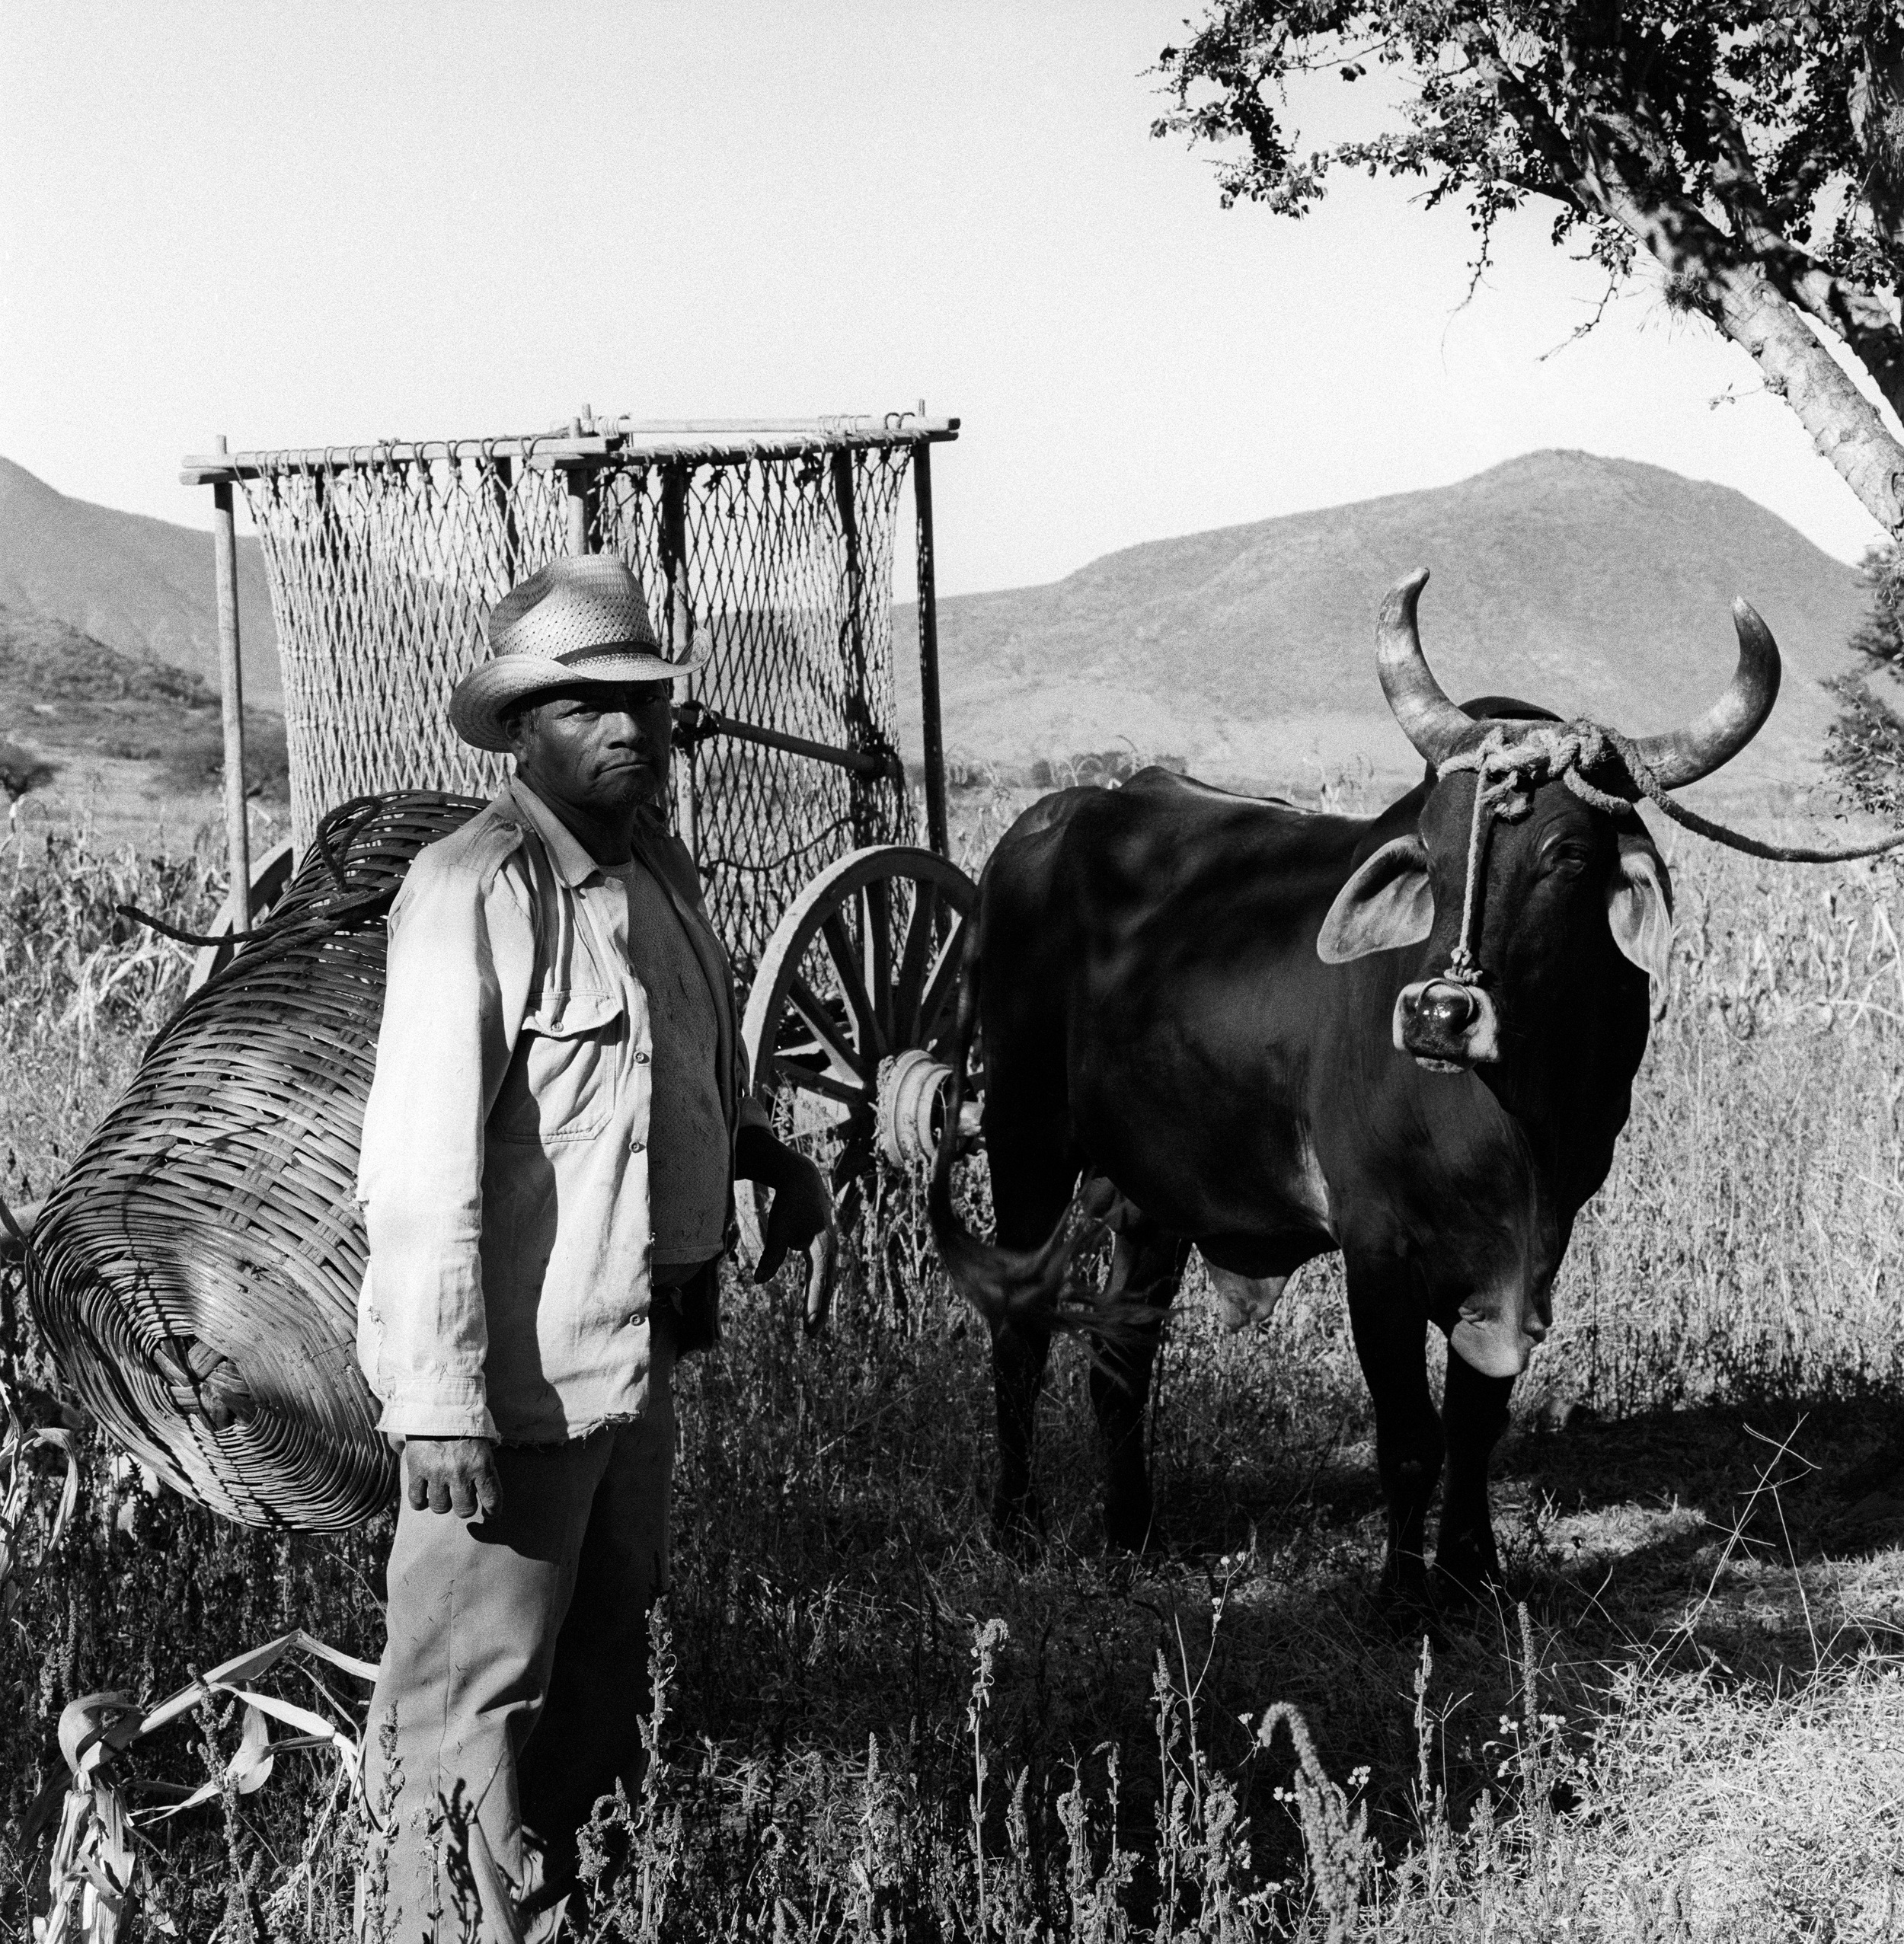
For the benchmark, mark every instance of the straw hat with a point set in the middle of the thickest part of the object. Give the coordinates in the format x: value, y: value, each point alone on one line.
x: 581, y: 618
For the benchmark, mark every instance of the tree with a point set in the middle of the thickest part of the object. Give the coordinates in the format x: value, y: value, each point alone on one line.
x: 1866, y: 745
x: 1880, y: 634
x: 22, y: 770
x: 195, y: 763
x: 1754, y: 149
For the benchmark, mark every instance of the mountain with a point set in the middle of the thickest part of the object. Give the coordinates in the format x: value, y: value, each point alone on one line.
x: 70, y: 701
x: 69, y: 674
x: 1594, y: 586
x: 142, y: 586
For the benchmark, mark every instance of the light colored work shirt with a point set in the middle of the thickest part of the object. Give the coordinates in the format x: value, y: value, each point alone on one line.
x: 505, y: 1171
x: 690, y: 1151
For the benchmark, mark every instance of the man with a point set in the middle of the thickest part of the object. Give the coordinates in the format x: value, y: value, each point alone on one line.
x: 549, y: 1146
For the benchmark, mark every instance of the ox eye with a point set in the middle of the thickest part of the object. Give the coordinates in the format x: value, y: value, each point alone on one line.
x: 1567, y: 860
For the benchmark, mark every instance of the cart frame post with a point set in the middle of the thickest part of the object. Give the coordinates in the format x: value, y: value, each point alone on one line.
x: 578, y: 478
x: 231, y: 683
x: 860, y: 733
x: 937, y: 836
x: 674, y: 560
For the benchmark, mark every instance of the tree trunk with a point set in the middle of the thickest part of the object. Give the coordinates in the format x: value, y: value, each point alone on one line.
x: 1601, y: 168
x: 1846, y: 428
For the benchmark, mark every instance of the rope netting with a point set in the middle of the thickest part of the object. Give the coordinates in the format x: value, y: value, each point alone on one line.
x: 382, y: 564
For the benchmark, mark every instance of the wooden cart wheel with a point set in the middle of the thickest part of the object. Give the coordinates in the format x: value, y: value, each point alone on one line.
x: 270, y: 875
x: 850, y: 1021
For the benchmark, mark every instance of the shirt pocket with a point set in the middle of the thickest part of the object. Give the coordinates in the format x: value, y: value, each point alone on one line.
x: 560, y: 1085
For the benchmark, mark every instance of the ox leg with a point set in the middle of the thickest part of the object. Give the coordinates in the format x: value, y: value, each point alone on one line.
x: 1033, y: 1174
x: 1019, y: 1352
x: 1391, y: 1336
x: 1473, y: 1413
x: 1146, y: 1267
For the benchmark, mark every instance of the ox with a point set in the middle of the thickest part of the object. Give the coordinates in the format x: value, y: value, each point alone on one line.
x: 1270, y: 1034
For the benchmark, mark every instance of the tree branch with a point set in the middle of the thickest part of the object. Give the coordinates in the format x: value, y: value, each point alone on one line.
x: 1876, y: 108
x: 1738, y: 292
x: 1858, y: 315
x: 1740, y: 295
x: 1639, y: 124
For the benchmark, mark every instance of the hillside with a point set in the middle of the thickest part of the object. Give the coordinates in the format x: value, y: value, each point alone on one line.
x: 90, y: 722
x: 142, y: 586
x: 1594, y: 585
x: 1591, y: 585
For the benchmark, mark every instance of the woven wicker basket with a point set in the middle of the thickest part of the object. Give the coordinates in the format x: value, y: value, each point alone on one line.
x: 196, y: 1275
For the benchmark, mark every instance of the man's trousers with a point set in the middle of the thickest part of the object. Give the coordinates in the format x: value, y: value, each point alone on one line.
x: 516, y: 1667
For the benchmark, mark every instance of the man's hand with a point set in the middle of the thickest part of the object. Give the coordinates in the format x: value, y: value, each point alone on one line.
x: 801, y: 1217
x: 451, y: 1475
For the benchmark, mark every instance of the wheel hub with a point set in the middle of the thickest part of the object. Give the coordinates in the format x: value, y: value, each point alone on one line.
x: 913, y: 1099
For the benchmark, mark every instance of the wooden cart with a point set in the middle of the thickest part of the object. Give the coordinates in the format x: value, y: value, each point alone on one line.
x: 770, y: 544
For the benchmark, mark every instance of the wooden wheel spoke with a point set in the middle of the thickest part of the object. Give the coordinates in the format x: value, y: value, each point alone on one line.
x: 875, y: 936
x: 828, y: 1086
x: 855, y: 1157
x: 932, y: 1021
x: 852, y: 987
x: 847, y: 1060
x: 909, y: 987
x: 798, y: 1046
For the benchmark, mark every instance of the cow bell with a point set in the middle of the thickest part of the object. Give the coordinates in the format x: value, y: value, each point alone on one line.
x: 1445, y: 1008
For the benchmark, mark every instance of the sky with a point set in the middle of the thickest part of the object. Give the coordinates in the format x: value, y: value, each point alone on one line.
x: 326, y: 222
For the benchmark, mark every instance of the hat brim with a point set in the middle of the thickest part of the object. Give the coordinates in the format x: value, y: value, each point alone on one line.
x: 479, y: 702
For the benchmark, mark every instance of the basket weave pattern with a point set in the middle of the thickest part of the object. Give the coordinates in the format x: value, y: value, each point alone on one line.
x: 195, y: 1273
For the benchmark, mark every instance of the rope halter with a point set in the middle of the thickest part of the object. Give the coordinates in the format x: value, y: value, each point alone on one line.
x: 1514, y: 758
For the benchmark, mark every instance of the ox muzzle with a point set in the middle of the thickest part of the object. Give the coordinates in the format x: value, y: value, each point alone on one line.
x: 1448, y: 1025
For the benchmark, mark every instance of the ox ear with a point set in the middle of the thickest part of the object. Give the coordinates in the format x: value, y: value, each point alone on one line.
x: 1386, y: 904
x: 1639, y: 908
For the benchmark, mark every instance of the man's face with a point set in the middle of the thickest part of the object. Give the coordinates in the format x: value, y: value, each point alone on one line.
x: 601, y: 746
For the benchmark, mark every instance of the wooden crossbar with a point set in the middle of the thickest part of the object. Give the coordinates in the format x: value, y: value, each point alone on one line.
x: 609, y: 442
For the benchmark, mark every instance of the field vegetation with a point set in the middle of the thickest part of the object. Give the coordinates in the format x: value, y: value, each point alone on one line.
x: 1685, y: 1720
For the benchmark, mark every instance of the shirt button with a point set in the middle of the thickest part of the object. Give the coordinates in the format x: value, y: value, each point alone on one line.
x: 635, y: 1147
x: 641, y: 1059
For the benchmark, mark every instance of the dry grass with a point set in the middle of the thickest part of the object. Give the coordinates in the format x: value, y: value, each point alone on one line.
x: 81, y: 989
x: 1712, y: 1745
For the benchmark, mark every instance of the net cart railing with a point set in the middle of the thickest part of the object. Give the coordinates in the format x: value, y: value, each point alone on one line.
x: 771, y: 545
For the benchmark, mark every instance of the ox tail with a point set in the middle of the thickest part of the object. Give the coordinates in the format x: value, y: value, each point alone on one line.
x: 1033, y: 1286
x: 1003, y: 1285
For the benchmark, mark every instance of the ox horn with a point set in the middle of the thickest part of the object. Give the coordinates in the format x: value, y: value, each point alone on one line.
x: 1683, y: 755
x: 1432, y: 722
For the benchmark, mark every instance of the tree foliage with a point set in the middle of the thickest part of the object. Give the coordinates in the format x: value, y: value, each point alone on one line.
x: 22, y: 770
x: 1880, y: 634
x: 1865, y: 747
x: 1753, y: 148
